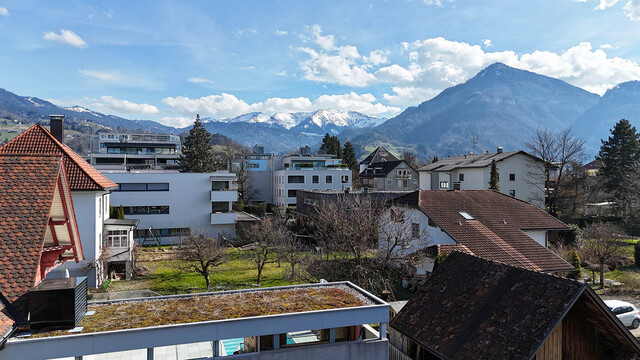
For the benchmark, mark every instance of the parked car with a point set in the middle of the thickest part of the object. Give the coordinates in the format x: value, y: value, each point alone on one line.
x: 626, y: 312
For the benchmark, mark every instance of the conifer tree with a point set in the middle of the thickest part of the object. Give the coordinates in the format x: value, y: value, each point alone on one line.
x: 349, y: 155
x: 331, y: 145
x: 620, y: 156
x: 196, y: 153
x: 494, y: 177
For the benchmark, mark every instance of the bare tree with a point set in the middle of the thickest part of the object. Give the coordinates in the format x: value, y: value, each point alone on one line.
x: 244, y: 179
x: 558, y: 151
x: 399, y: 234
x: 201, y: 255
x: 349, y: 223
x: 600, y: 244
x: 265, y: 236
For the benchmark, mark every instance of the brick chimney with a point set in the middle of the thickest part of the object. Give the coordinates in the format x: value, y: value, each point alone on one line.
x: 56, y: 127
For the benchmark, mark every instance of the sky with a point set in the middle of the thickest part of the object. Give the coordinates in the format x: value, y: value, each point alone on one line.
x: 170, y: 60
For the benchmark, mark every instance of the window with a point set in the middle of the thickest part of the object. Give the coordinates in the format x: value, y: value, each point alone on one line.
x: 415, y: 230
x: 431, y: 223
x: 296, y: 179
x: 444, y: 184
x: 461, y: 177
x: 117, y: 238
x: 220, y: 207
x: 146, y: 210
x: 389, y: 181
x: 100, y: 206
x: 465, y: 215
x: 292, y: 193
x: 345, y: 179
x: 315, y: 179
x: 512, y: 193
x: 143, y: 187
x: 329, y: 179
x: 512, y: 177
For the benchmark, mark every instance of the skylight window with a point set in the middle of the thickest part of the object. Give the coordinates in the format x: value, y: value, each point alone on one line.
x: 465, y: 215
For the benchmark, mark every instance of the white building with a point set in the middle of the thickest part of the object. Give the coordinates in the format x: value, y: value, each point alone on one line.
x: 171, y: 204
x: 90, y: 191
x: 306, y: 171
x: 519, y: 172
x: 260, y: 166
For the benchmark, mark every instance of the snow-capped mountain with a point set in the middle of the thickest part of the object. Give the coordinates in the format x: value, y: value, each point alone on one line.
x: 319, y: 118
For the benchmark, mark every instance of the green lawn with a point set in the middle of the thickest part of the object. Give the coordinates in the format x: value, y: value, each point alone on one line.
x: 629, y: 276
x: 167, y: 276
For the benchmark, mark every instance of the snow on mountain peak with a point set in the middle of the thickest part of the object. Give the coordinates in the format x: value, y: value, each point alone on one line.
x: 320, y: 118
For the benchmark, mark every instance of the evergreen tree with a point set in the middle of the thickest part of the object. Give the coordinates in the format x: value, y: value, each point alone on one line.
x: 574, y: 259
x: 349, y: 156
x: 435, y: 159
x: 196, y: 153
x: 121, y: 212
x: 331, y: 145
x: 620, y: 156
x: 494, y: 177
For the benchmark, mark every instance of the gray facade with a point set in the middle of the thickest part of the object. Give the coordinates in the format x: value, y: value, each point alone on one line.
x: 390, y: 176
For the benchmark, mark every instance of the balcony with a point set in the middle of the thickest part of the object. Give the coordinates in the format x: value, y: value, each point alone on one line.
x: 223, y: 218
x: 403, y: 176
x: 224, y: 195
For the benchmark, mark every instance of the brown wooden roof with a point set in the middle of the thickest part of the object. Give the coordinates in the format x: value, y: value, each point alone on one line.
x: 38, y: 140
x: 473, y: 308
x: 496, y: 230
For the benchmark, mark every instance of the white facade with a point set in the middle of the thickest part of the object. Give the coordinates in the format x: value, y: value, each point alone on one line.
x: 517, y: 178
x: 92, y: 209
x: 172, y: 203
x: 308, y: 172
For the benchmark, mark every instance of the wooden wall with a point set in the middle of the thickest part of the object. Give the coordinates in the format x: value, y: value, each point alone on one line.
x: 552, y: 347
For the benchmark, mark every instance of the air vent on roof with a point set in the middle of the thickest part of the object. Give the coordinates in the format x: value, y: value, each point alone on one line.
x: 58, y: 303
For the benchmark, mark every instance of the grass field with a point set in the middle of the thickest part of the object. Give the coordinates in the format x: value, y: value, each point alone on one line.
x: 167, y: 276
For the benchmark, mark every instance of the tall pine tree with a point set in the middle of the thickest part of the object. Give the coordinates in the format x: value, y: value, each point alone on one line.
x: 331, y: 145
x: 494, y: 177
x: 349, y: 155
x: 196, y: 153
x: 620, y: 156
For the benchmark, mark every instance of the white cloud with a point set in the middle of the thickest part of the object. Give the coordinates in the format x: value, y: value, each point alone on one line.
x: 282, y: 73
x: 66, y: 37
x: 632, y: 9
x: 606, y: 46
x: 4, y: 11
x: 326, y: 42
x: 197, y: 80
x: 604, y: 4
x: 228, y: 106
x: 109, y: 104
x: 376, y: 57
x: 432, y: 2
x: 487, y: 43
x: 106, y: 76
x: 281, y: 32
x: 176, y: 121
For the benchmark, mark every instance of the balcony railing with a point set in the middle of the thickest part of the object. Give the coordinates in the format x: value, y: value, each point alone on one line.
x: 222, y: 218
x: 228, y: 195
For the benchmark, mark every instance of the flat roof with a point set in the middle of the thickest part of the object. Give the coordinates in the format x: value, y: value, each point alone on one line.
x: 226, y: 305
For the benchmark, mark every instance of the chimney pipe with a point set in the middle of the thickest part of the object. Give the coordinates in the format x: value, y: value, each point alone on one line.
x: 55, y: 127
x: 499, y: 150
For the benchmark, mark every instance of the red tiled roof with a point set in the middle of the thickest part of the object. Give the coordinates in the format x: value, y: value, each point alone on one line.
x: 38, y: 140
x: 496, y: 230
x: 27, y: 187
x: 6, y: 323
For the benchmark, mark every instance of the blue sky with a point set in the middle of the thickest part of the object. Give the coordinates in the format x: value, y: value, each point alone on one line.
x: 168, y: 60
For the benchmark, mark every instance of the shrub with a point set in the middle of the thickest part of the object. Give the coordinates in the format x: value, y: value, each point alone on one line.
x: 439, y: 259
x: 259, y: 210
x: 574, y: 260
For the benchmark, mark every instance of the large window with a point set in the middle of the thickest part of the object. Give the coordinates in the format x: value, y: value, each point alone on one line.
x: 329, y: 179
x: 292, y: 193
x: 117, y: 239
x: 296, y: 179
x: 146, y: 210
x: 315, y: 179
x: 143, y: 187
x: 444, y: 184
x: 345, y: 179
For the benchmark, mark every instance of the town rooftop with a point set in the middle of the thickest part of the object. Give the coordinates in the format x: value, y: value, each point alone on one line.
x: 192, y: 308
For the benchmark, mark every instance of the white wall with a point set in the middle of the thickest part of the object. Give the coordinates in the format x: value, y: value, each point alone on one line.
x: 522, y: 166
x: 540, y: 236
x: 188, y: 198
x: 425, y: 180
x: 281, y: 185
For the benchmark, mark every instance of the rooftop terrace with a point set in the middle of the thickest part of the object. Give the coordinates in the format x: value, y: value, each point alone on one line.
x: 181, y: 309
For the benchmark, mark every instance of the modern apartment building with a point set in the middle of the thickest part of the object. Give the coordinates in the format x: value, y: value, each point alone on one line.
x: 135, y: 151
x: 303, y: 170
x: 260, y: 166
x: 171, y: 204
